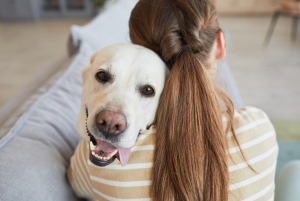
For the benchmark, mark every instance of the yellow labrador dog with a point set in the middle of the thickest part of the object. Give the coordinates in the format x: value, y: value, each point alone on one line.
x: 121, y: 90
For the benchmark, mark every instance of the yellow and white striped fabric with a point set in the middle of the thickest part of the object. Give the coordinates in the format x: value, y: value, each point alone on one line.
x: 256, y: 136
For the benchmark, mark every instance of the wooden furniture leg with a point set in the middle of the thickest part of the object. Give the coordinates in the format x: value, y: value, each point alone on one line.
x: 294, y: 28
x: 271, y: 28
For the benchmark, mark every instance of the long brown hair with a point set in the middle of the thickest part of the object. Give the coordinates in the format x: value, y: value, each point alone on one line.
x: 190, y: 161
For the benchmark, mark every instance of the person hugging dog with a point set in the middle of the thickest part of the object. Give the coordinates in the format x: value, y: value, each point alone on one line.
x: 182, y: 140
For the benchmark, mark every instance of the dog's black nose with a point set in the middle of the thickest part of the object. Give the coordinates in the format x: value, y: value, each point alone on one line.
x: 111, y: 123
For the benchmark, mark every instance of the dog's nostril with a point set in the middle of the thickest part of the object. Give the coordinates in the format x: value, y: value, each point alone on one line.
x: 102, y: 123
x: 118, y: 127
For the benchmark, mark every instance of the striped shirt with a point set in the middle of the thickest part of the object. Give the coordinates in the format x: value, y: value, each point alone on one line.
x: 132, y: 182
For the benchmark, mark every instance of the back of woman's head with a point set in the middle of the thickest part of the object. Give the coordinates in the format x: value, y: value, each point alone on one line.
x: 190, y: 161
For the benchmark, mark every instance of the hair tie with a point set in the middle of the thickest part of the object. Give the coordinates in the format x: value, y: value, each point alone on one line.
x: 172, y: 60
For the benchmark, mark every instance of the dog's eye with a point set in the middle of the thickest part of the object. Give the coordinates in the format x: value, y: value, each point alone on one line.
x: 148, y: 91
x: 102, y: 76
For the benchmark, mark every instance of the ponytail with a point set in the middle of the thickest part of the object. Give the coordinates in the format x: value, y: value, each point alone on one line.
x: 190, y: 157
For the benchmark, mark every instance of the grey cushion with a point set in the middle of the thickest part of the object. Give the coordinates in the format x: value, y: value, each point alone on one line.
x: 109, y: 27
x: 35, y: 152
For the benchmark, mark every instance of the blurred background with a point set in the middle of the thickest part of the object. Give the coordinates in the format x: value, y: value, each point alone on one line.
x: 264, y: 48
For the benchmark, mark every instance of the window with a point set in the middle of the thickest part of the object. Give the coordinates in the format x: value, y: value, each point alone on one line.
x: 75, y: 4
x: 51, y: 5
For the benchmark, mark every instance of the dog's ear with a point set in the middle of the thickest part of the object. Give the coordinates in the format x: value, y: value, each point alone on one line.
x: 93, y: 57
x: 84, y: 71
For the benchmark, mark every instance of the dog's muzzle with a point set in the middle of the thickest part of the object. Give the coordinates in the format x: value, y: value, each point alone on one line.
x: 102, y: 153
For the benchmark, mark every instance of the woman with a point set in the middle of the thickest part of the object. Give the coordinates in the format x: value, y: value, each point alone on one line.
x: 197, y: 156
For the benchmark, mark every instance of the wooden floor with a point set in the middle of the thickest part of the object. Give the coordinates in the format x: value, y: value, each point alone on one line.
x: 268, y: 78
x: 26, y: 48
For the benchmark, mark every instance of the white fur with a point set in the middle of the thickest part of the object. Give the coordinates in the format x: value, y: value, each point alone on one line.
x: 132, y: 66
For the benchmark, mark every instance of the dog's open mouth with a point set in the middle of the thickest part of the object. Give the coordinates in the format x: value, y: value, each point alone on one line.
x: 103, y: 153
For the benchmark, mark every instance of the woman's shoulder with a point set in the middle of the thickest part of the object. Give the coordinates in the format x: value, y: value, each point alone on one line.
x: 249, y: 118
x: 250, y: 113
x: 253, y: 128
x: 256, y: 136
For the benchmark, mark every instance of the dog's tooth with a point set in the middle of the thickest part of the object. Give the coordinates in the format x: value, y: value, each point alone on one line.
x: 103, y: 157
x: 92, y: 146
x: 113, y: 153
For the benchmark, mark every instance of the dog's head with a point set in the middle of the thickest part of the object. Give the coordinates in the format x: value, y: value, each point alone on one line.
x: 121, y: 90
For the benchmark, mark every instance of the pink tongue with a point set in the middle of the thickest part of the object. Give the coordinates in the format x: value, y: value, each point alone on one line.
x: 123, y: 153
